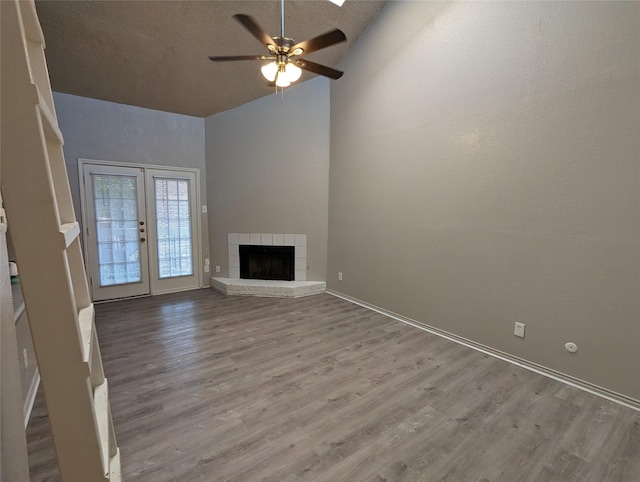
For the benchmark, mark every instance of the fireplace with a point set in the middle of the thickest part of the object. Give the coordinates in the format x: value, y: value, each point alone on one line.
x: 297, y: 242
x: 267, y: 262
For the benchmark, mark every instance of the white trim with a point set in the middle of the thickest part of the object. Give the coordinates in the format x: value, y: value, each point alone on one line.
x: 31, y: 397
x: 136, y: 164
x: 92, y: 263
x: 198, y: 251
x: 181, y: 283
x: 605, y: 393
x: 83, y: 202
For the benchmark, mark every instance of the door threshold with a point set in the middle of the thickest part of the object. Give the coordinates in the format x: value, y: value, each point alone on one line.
x: 121, y: 299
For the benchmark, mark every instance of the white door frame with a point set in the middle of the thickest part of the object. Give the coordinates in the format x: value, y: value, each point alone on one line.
x: 197, y: 248
x: 171, y: 285
x: 140, y: 287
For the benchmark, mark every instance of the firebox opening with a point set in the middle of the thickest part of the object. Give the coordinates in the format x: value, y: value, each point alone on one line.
x: 267, y: 262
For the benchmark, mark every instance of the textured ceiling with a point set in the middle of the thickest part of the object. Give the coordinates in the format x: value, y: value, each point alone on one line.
x: 154, y: 53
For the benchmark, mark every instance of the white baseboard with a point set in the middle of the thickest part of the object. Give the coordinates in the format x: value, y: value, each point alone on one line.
x: 541, y: 370
x: 31, y: 397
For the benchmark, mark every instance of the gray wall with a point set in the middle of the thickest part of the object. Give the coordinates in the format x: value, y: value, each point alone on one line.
x: 106, y: 131
x: 268, y: 171
x: 487, y: 172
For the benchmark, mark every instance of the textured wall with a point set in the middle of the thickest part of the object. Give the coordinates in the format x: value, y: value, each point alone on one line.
x: 268, y: 171
x: 485, y: 170
x: 99, y: 130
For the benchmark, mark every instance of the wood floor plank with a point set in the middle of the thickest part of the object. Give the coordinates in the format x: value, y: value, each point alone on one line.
x: 206, y: 387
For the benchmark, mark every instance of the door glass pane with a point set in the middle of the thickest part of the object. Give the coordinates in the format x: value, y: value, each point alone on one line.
x: 173, y: 221
x: 116, y: 205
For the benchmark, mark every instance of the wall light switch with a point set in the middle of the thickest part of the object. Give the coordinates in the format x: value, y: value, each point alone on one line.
x: 339, y: 275
x: 204, y: 209
x: 25, y: 358
x: 518, y: 329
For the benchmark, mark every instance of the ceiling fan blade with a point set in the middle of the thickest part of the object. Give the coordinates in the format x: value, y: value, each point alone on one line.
x: 325, y: 40
x: 228, y: 58
x: 318, y: 68
x: 250, y: 24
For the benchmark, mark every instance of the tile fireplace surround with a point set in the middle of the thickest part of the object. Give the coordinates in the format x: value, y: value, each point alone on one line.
x: 270, y: 288
x: 299, y: 241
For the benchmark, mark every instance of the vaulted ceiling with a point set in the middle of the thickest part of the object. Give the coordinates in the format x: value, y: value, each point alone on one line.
x: 154, y: 54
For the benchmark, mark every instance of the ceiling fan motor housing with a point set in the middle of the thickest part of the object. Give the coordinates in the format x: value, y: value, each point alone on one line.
x: 284, y: 46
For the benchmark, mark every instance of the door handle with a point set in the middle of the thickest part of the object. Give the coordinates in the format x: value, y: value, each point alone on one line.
x: 142, y: 240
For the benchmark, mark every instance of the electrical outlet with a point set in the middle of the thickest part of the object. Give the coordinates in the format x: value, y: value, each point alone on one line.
x: 206, y: 268
x: 518, y: 330
x: 217, y: 269
x: 25, y: 358
x: 339, y: 275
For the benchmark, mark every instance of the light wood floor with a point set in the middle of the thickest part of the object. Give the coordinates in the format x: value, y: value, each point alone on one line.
x: 211, y: 388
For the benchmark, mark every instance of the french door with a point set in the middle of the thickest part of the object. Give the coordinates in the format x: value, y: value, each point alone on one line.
x: 141, y: 230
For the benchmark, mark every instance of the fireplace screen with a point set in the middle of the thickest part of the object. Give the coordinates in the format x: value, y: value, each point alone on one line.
x: 267, y: 262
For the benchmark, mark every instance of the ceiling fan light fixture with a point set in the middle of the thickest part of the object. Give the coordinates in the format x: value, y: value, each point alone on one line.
x: 270, y: 71
x: 292, y: 72
x: 284, y: 70
x: 282, y: 80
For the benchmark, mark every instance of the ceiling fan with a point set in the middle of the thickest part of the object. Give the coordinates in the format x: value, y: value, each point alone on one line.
x: 285, y: 54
